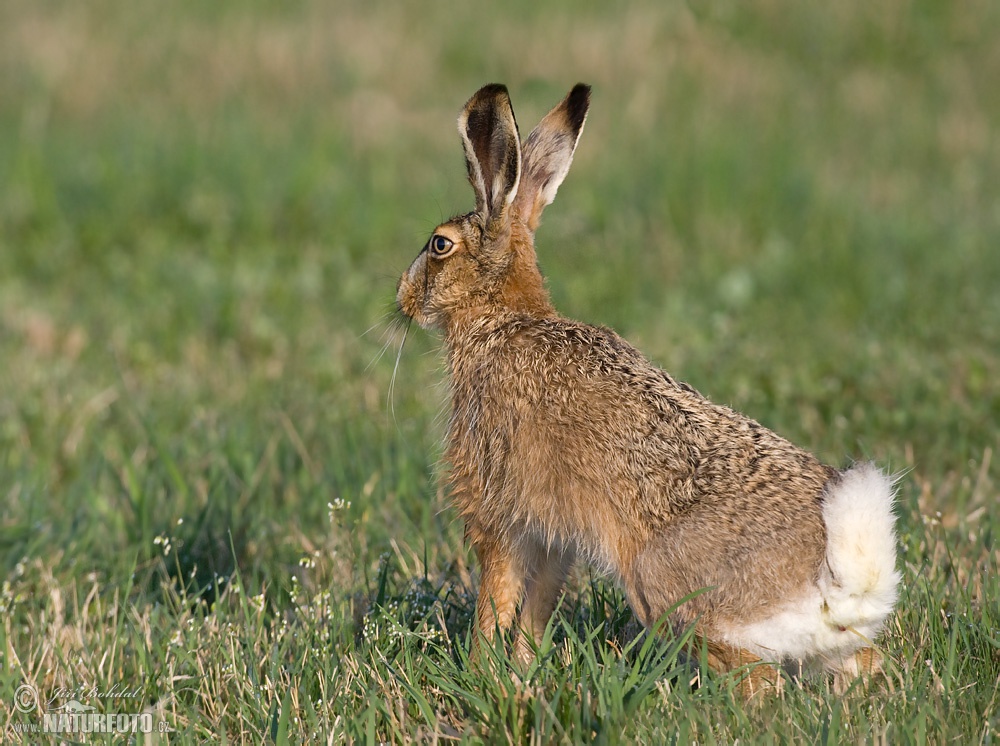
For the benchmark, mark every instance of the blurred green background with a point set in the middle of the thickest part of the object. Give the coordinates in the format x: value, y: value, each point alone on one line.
x: 204, y: 209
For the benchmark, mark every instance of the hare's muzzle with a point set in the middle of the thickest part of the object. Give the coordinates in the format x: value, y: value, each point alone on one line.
x: 410, y: 291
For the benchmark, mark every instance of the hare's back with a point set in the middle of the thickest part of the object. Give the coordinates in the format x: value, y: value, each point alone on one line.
x: 611, y: 411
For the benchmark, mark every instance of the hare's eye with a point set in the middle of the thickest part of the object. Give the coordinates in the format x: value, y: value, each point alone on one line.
x: 441, y: 246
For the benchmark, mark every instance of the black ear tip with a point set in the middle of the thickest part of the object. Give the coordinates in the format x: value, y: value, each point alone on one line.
x: 491, y: 90
x: 577, y: 104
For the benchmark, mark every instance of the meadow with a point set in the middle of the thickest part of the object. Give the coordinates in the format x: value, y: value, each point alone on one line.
x: 219, y: 472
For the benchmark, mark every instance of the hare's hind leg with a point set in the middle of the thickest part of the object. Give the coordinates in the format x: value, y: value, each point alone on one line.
x: 547, y: 573
x: 865, y: 664
x: 758, y: 678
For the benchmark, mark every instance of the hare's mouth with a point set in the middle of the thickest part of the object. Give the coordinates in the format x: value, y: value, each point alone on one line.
x: 414, y: 294
x: 409, y: 302
x: 405, y: 297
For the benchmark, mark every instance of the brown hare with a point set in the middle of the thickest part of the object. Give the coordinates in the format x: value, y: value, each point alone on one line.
x: 565, y: 442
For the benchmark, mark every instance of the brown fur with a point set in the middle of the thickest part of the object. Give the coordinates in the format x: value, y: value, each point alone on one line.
x: 565, y: 441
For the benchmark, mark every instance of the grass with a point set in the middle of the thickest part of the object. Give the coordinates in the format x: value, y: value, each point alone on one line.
x: 209, y: 495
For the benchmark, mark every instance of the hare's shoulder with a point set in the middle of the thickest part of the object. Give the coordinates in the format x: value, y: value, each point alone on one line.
x: 595, y: 353
x: 597, y: 359
x: 587, y: 367
x: 562, y: 341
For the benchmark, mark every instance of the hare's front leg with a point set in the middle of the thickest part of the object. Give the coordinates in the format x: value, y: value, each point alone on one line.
x: 501, y: 586
x: 547, y: 571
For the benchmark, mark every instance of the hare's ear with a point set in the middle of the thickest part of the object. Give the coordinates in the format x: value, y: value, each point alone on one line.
x: 492, y: 148
x: 548, y: 152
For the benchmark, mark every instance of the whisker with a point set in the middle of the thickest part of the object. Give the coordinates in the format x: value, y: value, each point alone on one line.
x: 390, y: 314
x: 378, y: 357
x: 392, y: 380
x: 389, y: 338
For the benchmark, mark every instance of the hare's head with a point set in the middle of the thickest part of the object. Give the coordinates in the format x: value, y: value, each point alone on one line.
x: 484, y: 261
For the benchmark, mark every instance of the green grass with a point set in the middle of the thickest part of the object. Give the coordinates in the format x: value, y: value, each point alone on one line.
x: 208, y: 493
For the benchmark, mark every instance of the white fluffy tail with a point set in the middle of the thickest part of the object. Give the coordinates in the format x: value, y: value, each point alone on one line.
x: 860, y: 583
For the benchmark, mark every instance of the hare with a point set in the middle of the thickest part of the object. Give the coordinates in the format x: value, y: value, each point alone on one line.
x: 565, y: 442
